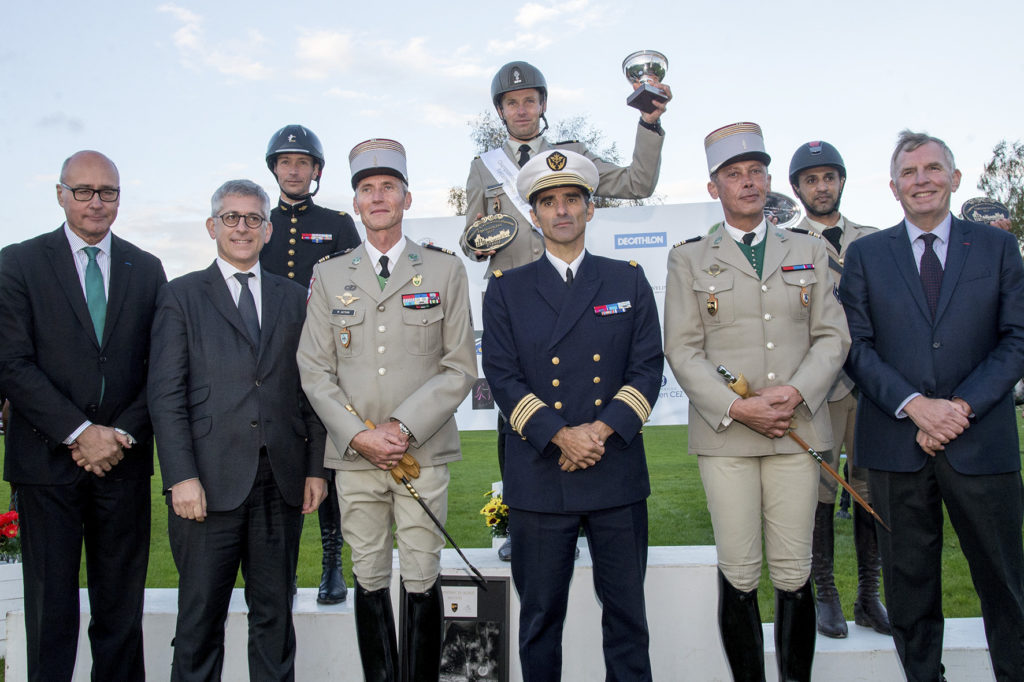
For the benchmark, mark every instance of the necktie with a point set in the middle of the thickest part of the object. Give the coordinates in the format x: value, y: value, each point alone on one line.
x: 384, y: 272
x: 835, y: 236
x: 931, y: 272
x: 748, y: 238
x: 524, y: 154
x: 247, y: 307
x: 95, y: 298
x: 568, y: 277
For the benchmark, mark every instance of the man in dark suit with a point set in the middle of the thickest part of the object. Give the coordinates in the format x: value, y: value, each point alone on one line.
x: 936, y: 313
x: 572, y: 352
x: 241, y: 452
x: 77, y: 305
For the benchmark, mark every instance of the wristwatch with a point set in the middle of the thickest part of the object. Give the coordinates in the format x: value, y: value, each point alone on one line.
x: 130, y: 437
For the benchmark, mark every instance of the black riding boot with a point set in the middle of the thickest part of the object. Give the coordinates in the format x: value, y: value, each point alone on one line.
x: 739, y: 621
x: 375, y: 632
x: 332, y: 581
x: 421, y: 635
x: 868, y: 609
x: 831, y: 621
x: 794, y: 633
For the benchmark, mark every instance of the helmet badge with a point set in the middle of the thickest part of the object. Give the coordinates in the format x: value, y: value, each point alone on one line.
x: 814, y: 147
x: 291, y: 138
x: 517, y: 76
x: 556, y: 161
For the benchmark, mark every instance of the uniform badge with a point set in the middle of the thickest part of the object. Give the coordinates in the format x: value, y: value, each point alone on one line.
x: 712, y: 305
x: 427, y: 299
x: 417, y: 280
x: 357, y: 260
x: 612, y: 308
x: 344, y: 336
x: 714, y: 270
x: 347, y: 298
x: 414, y: 257
x: 350, y: 287
x: 556, y: 161
x: 805, y: 297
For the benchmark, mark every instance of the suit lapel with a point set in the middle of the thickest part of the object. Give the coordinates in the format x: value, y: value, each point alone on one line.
x: 725, y: 249
x: 576, y: 300
x: 66, y: 276
x: 363, y: 275
x: 956, y: 254
x: 120, y: 278
x: 220, y: 298
x: 403, y: 271
x: 270, y: 292
x: 903, y: 255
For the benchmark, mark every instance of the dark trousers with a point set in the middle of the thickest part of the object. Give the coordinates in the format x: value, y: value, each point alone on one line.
x: 987, y: 513
x: 542, y: 567
x: 261, y: 537
x: 112, y: 517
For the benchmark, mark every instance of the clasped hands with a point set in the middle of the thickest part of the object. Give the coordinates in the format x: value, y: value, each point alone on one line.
x: 768, y: 411
x: 387, y: 448
x: 581, y: 446
x: 938, y: 421
x: 98, y: 449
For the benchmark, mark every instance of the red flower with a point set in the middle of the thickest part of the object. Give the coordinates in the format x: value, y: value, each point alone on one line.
x: 8, y: 517
x: 10, y: 530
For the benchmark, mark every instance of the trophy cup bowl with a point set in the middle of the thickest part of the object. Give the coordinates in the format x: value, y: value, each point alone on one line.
x: 784, y: 210
x: 643, y: 67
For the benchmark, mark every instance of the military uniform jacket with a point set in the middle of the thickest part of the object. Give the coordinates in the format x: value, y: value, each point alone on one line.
x: 303, y: 234
x: 559, y: 356
x: 785, y: 328
x: 404, y: 353
x: 851, y: 233
x: 485, y: 195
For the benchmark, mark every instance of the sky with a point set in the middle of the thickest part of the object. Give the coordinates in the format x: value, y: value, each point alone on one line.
x: 184, y: 95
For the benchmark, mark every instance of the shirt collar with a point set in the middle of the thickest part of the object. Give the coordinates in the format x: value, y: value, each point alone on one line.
x: 821, y: 227
x: 227, y: 270
x: 560, y: 265
x: 941, y: 230
x: 77, y: 243
x: 303, y: 205
x: 393, y: 254
x: 737, y: 234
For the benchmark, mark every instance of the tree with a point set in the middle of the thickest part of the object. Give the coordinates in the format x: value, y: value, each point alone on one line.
x: 1003, y: 179
x: 487, y: 132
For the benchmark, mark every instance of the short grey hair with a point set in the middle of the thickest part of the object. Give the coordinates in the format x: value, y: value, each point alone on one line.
x: 908, y: 141
x: 239, y: 188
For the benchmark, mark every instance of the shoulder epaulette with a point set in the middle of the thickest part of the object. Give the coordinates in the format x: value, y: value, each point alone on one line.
x: 435, y: 247
x: 567, y: 142
x: 342, y: 213
x: 688, y: 241
x: 633, y: 263
x: 336, y: 253
x: 497, y: 273
x: 801, y: 230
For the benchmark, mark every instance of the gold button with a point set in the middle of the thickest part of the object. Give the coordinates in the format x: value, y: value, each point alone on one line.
x: 291, y: 275
x: 598, y: 402
x: 597, y: 380
x: 554, y: 382
x: 293, y: 230
x: 294, y: 220
x: 558, y: 405
x: 291, y: 252
x: 291, y: 264
x: 555, y: 360
x: 597, y: 357
x: 292, y: 240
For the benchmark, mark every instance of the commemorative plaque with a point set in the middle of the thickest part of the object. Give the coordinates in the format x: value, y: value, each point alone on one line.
x: 984, y: 210
x: 491, y: 233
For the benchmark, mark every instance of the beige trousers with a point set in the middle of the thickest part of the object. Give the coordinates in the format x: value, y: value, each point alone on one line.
x: 843, y: 413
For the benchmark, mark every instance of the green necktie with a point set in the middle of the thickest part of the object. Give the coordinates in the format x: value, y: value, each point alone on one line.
x: 95, y: 298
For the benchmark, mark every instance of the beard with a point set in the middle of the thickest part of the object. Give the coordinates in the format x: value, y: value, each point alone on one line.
x: 833, y: 207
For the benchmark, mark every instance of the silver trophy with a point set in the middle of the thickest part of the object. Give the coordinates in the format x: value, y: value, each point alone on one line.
x: 645, y: 66
x: 781, y: 210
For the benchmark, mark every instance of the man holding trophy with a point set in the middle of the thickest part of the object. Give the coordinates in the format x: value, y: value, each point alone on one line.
x: 519, y: 93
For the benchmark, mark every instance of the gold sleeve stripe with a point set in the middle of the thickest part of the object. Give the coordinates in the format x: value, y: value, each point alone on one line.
x: 526, y: 408
x: 636, y: 401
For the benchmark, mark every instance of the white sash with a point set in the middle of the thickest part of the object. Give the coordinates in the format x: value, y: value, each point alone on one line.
x: 505, y: 171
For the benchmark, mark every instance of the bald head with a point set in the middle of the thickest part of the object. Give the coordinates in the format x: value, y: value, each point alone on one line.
x: 87, y: 156
x: 90, y: 219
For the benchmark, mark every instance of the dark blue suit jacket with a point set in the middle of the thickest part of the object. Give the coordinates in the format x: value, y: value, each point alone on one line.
x: 545, y: 338
x: 973, y: 349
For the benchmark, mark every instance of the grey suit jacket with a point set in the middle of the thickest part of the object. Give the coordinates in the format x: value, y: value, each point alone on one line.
x: 217, y: 399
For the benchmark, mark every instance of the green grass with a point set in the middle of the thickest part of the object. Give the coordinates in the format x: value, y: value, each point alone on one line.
x: 677, y: 510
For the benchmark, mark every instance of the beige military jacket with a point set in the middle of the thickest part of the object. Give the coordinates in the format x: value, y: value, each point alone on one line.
x: 786, y: 328
x: 404, y: 353
x: 851, y: 233
x: 485, y: 195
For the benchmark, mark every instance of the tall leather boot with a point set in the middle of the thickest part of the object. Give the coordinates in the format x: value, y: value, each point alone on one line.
x: 739, y: 621
x: 794, y: 633
x: 421, y: 635
x: 831, y: 621
x: 868, y: 609
x: 375, y: 632
x: 332, y: 582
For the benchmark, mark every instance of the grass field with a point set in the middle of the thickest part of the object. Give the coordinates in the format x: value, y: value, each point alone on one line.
x: 677, y: 510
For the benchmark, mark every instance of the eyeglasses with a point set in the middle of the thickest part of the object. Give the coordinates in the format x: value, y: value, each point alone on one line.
x: 86, y: 193
x: 253, y: 221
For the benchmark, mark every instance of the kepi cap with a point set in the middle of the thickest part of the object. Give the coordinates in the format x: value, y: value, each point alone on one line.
x: 556, y: 168
x: 377, y: 156
x: 735, y: 142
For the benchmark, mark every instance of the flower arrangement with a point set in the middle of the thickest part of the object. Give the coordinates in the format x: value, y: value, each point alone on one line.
x: 495, y: 514
x: 10, y: 538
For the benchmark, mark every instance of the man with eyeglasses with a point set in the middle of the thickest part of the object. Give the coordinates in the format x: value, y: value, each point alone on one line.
x: 241, y: 452
x: 77, y: 306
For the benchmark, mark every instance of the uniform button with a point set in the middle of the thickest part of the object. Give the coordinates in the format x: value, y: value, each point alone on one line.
x: 382, y: 329
x: 597, y: 380
x: 291, y: 275
x: 293, y: 230
x: 936, y: 344
x: 770, y: 345
x: 555, y: 360
x: 103, y: 358
x: 380, y: 308
x: 598, y: 402
x: 767, y: 316
x: 259, y: 383
x: 711, y: 288
x: 597, y: 357
x: 536, y: 251
x: 291, y: 252
x: 381, y: 349
x: 294, y: 220
x: 423, y: 321
x: 382, y: 371
x: 558, y: 405
x: 803, y: 281
x: 253, y: 424
x: 292, y: 240
x: 764, y: 287
x: 555, y: 382
x: 771, y: 376
x: 291, y: 264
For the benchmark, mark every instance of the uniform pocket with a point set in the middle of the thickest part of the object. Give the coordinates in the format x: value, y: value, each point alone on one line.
x: 423, y: 330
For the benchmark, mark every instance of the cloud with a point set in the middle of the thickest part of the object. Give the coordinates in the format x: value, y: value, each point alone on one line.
x: 543, y: 24
x: 61, y: 120
x: 229, y: 57
x: 324, y: 52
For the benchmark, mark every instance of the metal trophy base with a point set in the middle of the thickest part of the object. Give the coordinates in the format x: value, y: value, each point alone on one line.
x: 643, y: 98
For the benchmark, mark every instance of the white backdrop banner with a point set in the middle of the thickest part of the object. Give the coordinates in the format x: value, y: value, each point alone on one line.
x: 641, y: 233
